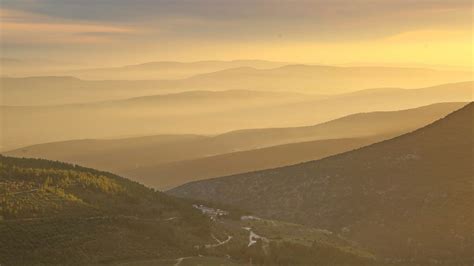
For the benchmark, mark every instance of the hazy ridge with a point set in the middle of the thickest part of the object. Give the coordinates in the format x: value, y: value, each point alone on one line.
x: 169, y: 160
x: 57, y: 89
x: 213, y: 114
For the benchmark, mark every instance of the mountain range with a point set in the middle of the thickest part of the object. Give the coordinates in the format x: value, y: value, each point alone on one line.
x: 168, y: 70
x: 164, y: 161
x: 312, y: 79
x: 206, y: 112
x: 324, y: 79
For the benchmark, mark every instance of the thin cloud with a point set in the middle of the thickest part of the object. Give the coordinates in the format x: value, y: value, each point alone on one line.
x: 244, y: 20
x: 20, y: 26
x: 217, y: 29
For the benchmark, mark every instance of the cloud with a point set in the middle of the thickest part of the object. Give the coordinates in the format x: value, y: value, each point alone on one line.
x: 24, y: 27
x: 120, y: 10
x: 182, y: 28
x: 428, y: 36
x: 244, y: 20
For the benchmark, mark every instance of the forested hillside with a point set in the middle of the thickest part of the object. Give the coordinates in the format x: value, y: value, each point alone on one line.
x: 50, y: 209
x: 57, y: 213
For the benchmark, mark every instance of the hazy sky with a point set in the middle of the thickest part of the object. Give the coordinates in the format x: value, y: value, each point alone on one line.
x: 106, y: 32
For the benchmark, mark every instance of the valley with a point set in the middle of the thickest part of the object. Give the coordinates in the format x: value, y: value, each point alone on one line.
x: 381, y: 196
x: 54, y: 213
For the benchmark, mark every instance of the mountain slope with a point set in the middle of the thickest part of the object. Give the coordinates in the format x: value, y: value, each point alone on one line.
x: 155, y: 159
x: 409, y: 198
x: 59, y: 213
x: 168, y: 175
x: 362, y: 124
x: 56, y: 213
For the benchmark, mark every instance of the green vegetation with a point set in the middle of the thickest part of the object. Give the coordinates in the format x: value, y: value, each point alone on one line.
x: 60, y: 213
x: 57, y: 213
x: 281, y: 243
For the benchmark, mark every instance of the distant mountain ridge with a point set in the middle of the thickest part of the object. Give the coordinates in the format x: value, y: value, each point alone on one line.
x: 325, y: 79
x: 293, y: 78
x: 408, y: 198
x: 213, y: 114
x: 169, y: 69
x: 164, y: 161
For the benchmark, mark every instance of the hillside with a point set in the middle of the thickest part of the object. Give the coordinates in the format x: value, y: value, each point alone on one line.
x: 168, y: 175
x: 196, y: 115
x: 56, y: 213
x: 362, y: 124
x: 408, y: 199
x: 155, y: 160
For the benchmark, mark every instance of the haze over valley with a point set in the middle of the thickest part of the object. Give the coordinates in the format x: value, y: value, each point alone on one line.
x: 239, y: 132
x: 206, y: 112
x: 164, y: 160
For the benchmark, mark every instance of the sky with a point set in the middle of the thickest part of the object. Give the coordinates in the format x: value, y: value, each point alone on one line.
x: 115, y: 32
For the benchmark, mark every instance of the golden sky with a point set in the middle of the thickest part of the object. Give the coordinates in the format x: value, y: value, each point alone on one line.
x: 110, y: 32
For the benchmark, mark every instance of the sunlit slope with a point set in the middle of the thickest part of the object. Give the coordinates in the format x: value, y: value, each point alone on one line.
x: 405, y: 198
x: 169, y: 160
x: 354, y: 125
x: 58, y: 213
x: 210, y: 113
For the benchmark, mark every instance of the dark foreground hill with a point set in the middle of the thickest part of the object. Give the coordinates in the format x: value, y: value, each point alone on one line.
x: 408, y: 199
x: 57, y: 213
